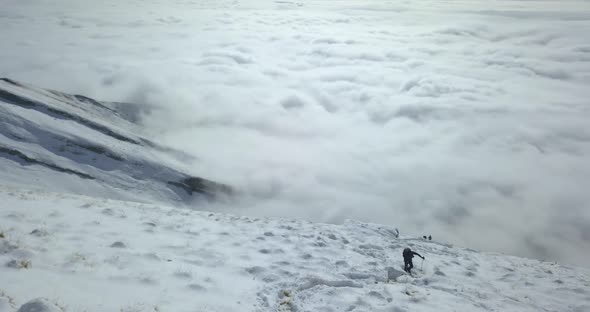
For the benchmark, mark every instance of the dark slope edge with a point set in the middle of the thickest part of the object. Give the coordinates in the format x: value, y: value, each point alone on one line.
x: 94, y: 159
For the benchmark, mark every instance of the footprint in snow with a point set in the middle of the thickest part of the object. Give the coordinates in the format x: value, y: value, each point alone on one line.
x: 148, y: 280
x: 183, y: 274
x: 93, y: 223
x: 271, y: 251
x: 283, y: 263
x: 86, y: 206
x: 15, y: 216
x: 414, y: 295
x: 306, y: 256
x: 469, y: 274
x: 108, y: 212
x: 118, y: 245
x: 196, y: 287
x: 55, y: 214
x: 376, y: 294
x: 370, y: 246
x: 255, y: 270
x: 6, y: 247
x: 151, y: 256
x: 437, y: 271
x: 39, y: 232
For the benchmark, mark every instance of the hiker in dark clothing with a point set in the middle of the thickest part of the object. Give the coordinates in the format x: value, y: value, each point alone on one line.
x: 408, y: 255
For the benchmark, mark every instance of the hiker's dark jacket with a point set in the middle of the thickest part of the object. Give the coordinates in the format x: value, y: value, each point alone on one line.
x: 409, y: 254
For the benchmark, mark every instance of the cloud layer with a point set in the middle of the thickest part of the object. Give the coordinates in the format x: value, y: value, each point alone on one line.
x: 467, y: 121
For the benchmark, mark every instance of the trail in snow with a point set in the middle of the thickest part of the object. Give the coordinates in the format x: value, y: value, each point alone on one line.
x: 88, y: 254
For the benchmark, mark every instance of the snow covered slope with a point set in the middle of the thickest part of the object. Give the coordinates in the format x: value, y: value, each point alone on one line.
x: 88, y: 254
x: 73, y: 143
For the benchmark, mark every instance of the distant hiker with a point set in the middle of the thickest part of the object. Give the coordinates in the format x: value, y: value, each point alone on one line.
x: 408, y: 255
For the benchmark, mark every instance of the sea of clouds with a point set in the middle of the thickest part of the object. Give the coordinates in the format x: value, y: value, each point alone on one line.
x: 467, y: 120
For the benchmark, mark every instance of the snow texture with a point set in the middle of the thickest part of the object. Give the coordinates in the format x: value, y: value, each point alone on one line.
x: 184, y: 260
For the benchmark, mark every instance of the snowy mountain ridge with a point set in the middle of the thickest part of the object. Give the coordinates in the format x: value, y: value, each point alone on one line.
x: 93, y: 148
x: 63, y: 252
